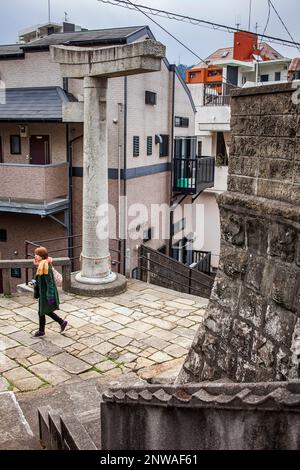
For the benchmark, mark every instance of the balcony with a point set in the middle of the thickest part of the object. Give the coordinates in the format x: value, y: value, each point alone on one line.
x: 217, y: 100
x: 33, y: 189
x: 193, y: 175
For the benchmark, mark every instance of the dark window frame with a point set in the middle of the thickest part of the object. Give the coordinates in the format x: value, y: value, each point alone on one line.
x: 164, y: 146
x: 277, y: 76
x: 16, y: 273
x: 136, y: 146
x: 265, y: 79
x: 12, y: 136
x: 150, y: 97
x: 3, y: 235
x: 147, y: 234
x: 181, y: 121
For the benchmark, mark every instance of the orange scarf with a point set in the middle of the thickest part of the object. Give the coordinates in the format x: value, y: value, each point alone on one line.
x: 43, y: 266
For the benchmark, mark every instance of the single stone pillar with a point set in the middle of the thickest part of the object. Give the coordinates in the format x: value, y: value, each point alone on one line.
x: 95, y: 257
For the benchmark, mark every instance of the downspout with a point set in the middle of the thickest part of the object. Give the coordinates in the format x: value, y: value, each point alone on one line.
x: 124, y: 232
x: 172, y: 69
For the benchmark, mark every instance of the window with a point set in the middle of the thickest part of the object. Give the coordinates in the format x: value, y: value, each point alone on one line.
x: 15, y: 145
x: 150, y: 97
x: 277, y: 76
x: 244, y: 79
x: 149, y: 145
x: 164, y: 146
x: 136, y: 146
x: 193, y: 75
x: 15, y: 272
x: 199, y: 153
x: 3, y: 235
x: 147, y: 234
x: 181, y: 122
x: 264, y: 78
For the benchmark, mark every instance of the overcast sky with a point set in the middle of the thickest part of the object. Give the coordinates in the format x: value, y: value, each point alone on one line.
x: 92, y: 14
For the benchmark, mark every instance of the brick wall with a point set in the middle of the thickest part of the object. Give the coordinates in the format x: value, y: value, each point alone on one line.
x: 251, y: 331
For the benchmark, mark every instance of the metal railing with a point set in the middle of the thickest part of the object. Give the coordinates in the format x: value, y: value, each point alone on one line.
x: 115, y: 248
x: 25, y: 264
x: 217, y: 100
x: 157, y: 268
x: 193, y: 174
x: 201, y: 260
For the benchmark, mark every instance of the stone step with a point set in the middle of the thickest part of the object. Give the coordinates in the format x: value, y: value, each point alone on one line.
x: 15, y: 431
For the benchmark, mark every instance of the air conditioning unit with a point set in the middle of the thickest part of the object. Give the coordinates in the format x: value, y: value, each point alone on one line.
x: 23, y: 131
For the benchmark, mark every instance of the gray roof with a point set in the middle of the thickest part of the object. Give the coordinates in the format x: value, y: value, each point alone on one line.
x: 101, y: 36
x: 11, y: 50
x: 34, y: 104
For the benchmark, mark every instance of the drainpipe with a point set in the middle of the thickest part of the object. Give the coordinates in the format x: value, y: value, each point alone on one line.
x: 172, y: 69
x: 124, y: 177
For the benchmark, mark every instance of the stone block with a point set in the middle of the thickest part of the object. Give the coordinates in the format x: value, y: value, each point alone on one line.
x: 298, y: 251
x: 210, y: 347
x: 277, y: 126
x: 241, y: 339
x: 218, y: 320
x: 241, y: 184
x: 284, y: 288
x: 297, y: 149
x: 245, y: 125
x: 255, y: 270
x: 276, y: 169
x: 244, y: 147
x: 274, y: 190
x: 245, y: 105
x: 252, y: 307
x: 295, y: 194
x: 277, y: 147
x: 194, y: 363
x: 296, y: 175
x: 282, y: 242
x: 232, y: 228
x: 279, y: 324
x: 245, y: 372
x: 257, y: 235
x: 227, y: 361
x: 225, y: 291
x: 263, y: 353
x: 283, y: 365
x: 233, y: 260
x: 280, y: 103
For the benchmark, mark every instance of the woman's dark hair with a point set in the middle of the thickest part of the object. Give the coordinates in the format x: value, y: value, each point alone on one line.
x: 42, y: 252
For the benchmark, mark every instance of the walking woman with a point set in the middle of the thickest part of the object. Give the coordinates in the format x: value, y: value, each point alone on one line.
x: 46, y: 291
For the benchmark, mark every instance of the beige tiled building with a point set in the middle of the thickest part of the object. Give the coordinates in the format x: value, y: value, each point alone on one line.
x: 41, y: 145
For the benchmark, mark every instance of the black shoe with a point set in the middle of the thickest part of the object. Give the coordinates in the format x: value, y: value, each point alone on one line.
x: 63, y: 326
x: 38, y: 334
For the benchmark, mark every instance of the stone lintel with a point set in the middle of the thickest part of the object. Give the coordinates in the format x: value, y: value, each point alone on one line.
x: 259, y: 205
x: 116, y: 61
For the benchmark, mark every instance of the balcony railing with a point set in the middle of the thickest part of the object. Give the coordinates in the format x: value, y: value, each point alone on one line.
x: 217, y: 100
x: 201, y: 261
x: 33, y: 183
x: 193, y: 175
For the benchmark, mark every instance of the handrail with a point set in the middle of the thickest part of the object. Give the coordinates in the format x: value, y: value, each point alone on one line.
x: 6, y: 265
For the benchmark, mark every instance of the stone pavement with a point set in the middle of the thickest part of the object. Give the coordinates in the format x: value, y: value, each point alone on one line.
x: 148, y: 330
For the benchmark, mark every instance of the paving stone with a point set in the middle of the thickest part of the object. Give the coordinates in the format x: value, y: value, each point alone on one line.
x: 98, y: 320
x: 121, y: 340
x: 105, y: 366
x: 149, y: 372
x: 104, y: 348
x: 6, y: 330
x: 127, y: 357
x: 46, y: 348
x: 6, y: 363
x: 20, y: 352
x: 93, y: 358
x: 75, y: 322
x: 182, y: 331
x: 83, y: 352
x: 141, y: 326
x: 8, y: 303
x: 176, y: 351
x: 197, y: 318
x: 147, y: 352
x: 185, y: 322
x: 180, y: 306
x: 7, y: 343
x: 78, y: 347
x: 90, y: 374
x: 27, y: 312
x: 70, y: 363
x: 124, y: 311
x: 50, y: 373
x: 67, y: 307
x: 138, y: 315
x: 36, y: 359
x: 108, y: 335
x: 60, y: 340
x: 91, y: 341
x: 160, y: 357
x: 29, y: 384
x: 122, y: 319
x: 24, y: 338
x: 150, y: 297
x: 160, y: 333
x: 156, y: 343
x: 182, y: 341
x: 184, y: 301
x: 134, y: 333
x: 133, y: 349
x: 143, y: 362
x: 4, y: 384
x: 113, y: 326
x: 16, y: 374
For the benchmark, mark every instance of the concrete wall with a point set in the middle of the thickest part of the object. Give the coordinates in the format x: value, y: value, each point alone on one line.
x: 251, y: 330
x: 34, y: 70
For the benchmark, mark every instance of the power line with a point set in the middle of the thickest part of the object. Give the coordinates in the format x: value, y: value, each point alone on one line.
x: 196, y: 21
x: 136, y: 7
x: 285, y: 27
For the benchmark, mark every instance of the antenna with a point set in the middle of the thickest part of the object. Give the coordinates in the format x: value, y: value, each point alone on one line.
x: 238, y: 21
x: 256, y: 27
x: 250, y: 8
x: 49, y: 11
x: 66, y: 16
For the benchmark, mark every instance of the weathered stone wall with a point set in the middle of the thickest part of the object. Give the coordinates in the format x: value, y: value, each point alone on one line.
x: 251, y: 331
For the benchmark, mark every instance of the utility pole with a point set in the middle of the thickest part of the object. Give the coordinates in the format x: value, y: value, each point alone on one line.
x: 250, y: 9
x: 49, y: 11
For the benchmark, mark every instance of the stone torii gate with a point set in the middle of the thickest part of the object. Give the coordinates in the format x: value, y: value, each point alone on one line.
x: 95, y: 66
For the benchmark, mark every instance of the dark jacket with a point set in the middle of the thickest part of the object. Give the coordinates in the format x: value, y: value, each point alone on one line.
x: 46, y: 290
